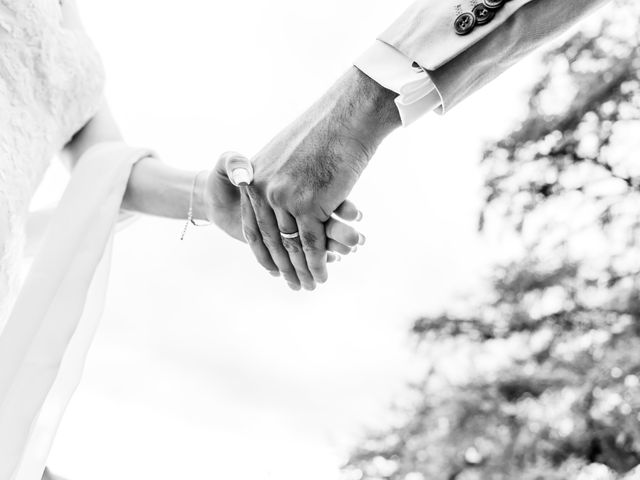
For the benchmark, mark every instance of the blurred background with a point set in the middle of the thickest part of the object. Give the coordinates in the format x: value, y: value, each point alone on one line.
x: 204, y: 365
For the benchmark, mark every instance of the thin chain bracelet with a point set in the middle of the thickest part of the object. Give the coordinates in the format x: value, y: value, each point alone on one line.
x: 190, y: 219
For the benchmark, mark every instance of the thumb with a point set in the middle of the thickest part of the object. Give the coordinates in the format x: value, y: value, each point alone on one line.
x: 237, y: 167
x: 232, y: 169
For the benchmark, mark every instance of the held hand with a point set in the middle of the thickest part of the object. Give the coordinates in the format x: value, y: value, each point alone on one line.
x: 222, y: 196
x: 306, y: 173
x: 223, y: 200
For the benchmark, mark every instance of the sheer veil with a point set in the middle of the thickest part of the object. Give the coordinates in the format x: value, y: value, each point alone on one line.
x: 46, y: 339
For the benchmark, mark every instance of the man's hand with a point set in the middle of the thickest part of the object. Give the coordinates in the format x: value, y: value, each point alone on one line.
x: 307, y: 171
x: 218, y: 200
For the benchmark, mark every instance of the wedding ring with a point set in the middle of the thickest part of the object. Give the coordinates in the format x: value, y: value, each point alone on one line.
x: 290, y: 235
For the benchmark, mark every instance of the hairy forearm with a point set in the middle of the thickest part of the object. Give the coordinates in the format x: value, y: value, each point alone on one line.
x: 345, y: 126
x: 362, y: 108
x: 372, y: 110
x: 354, y: 108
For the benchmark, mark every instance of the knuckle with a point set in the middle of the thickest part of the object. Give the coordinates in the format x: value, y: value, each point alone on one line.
x: 291, y: 247
x: 310, y: 241
x: 251, y: 235
x: 305, y: 203
x: 274, y: 247
x: 310, y: 249
x: 277, y: 195
x: 274, y: 196
x: 303, y: 271
x: 263, y: 225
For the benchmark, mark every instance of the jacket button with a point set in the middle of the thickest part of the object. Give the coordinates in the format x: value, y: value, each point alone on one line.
x: 464, y: 23
x: 493, y: 4
x: 483, y: 14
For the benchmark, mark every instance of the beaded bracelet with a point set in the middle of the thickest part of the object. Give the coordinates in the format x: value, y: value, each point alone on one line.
x: 190, y: 219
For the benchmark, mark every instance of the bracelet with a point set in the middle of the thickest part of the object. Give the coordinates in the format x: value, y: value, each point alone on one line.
x: 190, y: 219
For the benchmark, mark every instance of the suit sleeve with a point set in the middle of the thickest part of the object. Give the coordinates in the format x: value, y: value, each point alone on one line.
x: 459, y: 64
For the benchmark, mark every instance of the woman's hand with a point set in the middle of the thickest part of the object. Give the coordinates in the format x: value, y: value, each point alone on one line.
x: 227, y: 210
x: 222, y: 199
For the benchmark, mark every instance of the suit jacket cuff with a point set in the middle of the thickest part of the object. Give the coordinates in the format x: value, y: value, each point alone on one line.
x: 417, y: 94
x: 459, y: 65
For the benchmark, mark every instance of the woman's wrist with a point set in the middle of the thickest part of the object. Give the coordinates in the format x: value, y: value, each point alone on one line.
x: 156, y: 188
x: 201, y: 202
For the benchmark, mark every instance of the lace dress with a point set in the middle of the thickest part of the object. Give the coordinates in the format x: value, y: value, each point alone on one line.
x: 51, y: 82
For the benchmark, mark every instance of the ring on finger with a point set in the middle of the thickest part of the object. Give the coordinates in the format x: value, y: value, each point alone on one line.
x: 290, y: 235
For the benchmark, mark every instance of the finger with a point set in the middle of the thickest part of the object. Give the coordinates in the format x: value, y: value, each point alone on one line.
x: 268, y: 227
x: 287, y: 224
x: 252, y: 235
x: 343, y: 233
x: 314, y: 245
x: 337, y: 247
x: 348, y: 211
x: 220, y: 185
x: 238, y: 168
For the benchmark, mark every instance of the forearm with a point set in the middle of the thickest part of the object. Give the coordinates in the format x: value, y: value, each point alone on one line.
x: 362, y: 107
x: 342, y: 131
x: 356, y: 105
x: 154, y: 187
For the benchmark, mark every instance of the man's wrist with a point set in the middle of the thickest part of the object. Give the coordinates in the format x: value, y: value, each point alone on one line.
x: 374, y: 112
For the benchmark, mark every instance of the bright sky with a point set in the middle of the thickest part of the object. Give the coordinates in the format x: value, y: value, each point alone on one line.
x: 205, y: 366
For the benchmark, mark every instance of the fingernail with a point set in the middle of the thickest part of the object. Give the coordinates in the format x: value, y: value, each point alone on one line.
x: 361, y: 239
x: 310, y: 288
x: 354, y: 249
x: 240, y: 176
x: 359, y: 216
x: 274, y: 273
x: 338, y: 258
x: 294, y: 286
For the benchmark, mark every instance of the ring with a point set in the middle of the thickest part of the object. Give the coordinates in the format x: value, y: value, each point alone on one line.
x: 290, y: 235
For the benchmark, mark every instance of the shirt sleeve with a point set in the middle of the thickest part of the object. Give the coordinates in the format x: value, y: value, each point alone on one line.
x: 417, y: 94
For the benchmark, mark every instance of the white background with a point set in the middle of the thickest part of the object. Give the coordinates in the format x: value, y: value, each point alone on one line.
x: 205, y: 366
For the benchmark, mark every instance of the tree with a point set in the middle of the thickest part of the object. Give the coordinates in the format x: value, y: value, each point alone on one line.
x: 541, y: 379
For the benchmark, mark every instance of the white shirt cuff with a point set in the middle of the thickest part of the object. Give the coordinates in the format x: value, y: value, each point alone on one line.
x: 393, y: 70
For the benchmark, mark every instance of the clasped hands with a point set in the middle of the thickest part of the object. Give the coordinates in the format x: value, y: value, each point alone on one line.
x: 294, y: 210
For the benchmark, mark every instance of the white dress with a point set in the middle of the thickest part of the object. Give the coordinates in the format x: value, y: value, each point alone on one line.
x: 51, y: 82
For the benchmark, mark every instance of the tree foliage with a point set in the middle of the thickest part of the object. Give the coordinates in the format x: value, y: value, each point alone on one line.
x: 541, y: 379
